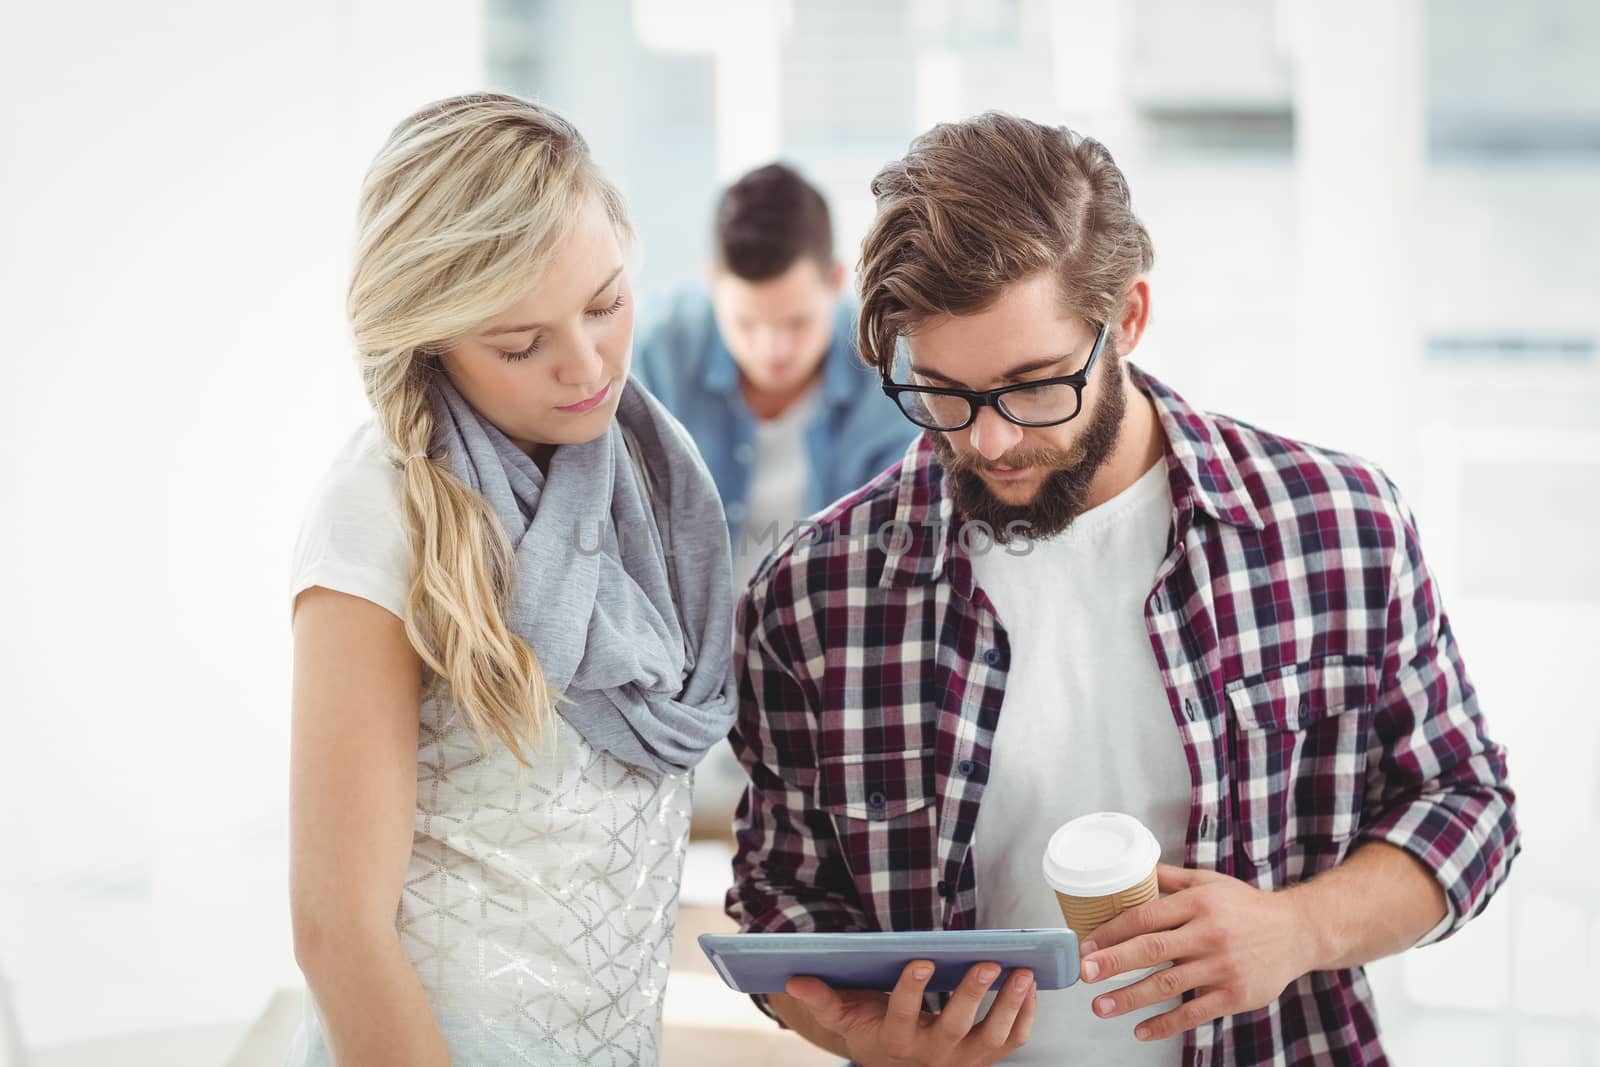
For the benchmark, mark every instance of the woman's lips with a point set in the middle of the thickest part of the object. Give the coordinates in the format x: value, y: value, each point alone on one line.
x: 585, y: 405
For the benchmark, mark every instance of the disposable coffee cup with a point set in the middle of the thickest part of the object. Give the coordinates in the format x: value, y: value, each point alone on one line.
x: 1101, y: 865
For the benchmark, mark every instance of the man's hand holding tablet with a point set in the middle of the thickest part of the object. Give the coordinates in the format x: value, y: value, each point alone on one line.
x: 878, y: 1030
x: 861, y: 994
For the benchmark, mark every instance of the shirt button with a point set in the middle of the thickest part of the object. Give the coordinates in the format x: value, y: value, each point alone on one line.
x: 1205, y: 826
x: 1190, y: 711
x: 994, y: 657
x: 876, y: 800
x: 966, y: 767
x: 945, y: 889
x: 1305, y: 711
x: 1160, y: 601
x: 744, y: 454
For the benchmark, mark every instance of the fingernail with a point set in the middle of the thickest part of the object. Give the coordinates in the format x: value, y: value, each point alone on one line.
x: 988, y: 974
x: 1086, y: 948
x: 1104, y: 1005
x: 1141, y: 1032
x: 1091, y: 970
x: 1021, y: 983
x: 921, y: 971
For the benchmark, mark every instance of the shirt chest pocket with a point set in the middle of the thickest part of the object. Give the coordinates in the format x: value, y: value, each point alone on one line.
x: 876, y: 786
x: 1299, y: 756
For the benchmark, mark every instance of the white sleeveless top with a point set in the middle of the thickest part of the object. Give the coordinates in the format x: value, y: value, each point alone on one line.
x: 538, y: 907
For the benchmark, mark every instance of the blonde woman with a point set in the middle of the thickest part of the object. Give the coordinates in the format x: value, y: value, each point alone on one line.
x: 512, y: 610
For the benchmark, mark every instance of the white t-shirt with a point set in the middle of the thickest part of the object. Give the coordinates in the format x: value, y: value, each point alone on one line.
x: 353, y: 538
x: 780, y: 478
x: 1085, y: 727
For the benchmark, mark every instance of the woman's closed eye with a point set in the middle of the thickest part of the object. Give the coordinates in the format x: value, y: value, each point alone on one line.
x: 594, y: 313
x: 516, y: 357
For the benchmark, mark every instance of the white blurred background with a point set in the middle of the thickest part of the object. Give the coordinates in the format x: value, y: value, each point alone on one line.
x: 1376, y: 227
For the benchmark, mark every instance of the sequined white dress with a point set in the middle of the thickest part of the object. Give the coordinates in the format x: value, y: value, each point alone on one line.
x: 538, y: 910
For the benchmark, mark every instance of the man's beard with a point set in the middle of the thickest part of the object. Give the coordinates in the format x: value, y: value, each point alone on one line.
x: 1064, y: 494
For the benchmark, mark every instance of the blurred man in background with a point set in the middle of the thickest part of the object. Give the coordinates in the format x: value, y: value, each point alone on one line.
x: 762, y: 369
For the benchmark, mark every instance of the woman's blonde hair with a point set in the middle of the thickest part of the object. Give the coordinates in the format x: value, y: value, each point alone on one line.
x: 460, y: 212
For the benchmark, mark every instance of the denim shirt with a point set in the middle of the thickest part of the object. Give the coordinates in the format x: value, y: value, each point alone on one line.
x: 855, y: 434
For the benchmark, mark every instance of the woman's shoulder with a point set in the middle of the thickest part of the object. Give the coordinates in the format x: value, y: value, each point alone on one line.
x: 361, y: 475
x: 352, y: 535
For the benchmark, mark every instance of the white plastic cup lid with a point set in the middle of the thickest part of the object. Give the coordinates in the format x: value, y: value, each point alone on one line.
x: 1094, y: 855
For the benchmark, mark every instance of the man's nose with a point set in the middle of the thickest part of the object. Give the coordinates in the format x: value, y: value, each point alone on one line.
x: 992, y: 435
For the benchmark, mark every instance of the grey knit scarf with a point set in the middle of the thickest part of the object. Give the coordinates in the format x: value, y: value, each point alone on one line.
x: 623, y: 587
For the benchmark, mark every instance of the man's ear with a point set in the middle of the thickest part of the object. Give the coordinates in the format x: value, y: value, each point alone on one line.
x: 836, y: 277
x: 1135, y: 315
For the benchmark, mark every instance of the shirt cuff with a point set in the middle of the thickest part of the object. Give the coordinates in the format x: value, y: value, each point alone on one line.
x: 1435, y: 836
x: 1444, y: 927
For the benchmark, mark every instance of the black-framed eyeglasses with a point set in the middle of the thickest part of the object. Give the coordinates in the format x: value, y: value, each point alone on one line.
x: 1047, y: 402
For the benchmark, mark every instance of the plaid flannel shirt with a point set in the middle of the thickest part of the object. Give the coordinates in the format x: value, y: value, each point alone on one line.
x: 1311, y: 672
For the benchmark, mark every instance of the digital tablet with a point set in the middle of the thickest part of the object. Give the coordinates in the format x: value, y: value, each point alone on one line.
x: 763, y: 963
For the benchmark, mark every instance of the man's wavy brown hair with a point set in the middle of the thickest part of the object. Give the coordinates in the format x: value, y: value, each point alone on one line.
x: 976, y: 206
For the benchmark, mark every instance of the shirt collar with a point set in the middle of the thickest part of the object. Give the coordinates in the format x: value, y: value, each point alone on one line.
x: 1199, y: 459
x: 922, y: 518
x: 843, y: 373
x: 720, y: 373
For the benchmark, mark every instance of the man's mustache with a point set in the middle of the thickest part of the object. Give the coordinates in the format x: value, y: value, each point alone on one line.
x: 1049, y: 458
